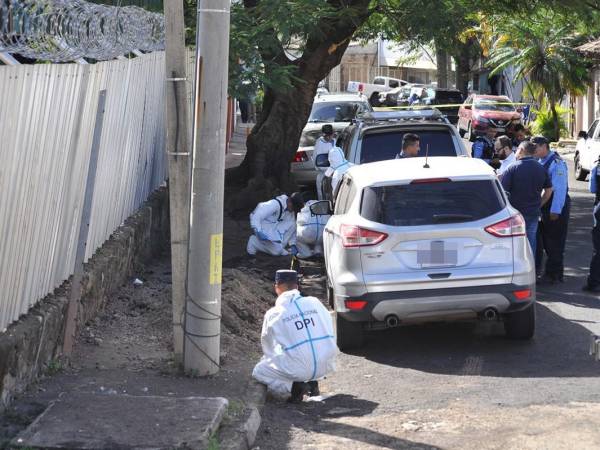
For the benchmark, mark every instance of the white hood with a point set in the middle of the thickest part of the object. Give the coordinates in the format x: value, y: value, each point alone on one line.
x: 336, y: 159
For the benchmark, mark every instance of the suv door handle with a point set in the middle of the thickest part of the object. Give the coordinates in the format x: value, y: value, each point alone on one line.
x: 439, y: 276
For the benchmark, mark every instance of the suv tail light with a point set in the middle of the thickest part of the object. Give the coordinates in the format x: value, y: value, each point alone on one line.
x: 301, y: 156
x: 522, y: 294
x: 353, y: 236
x: 430, y: 180
x: 514, y: 226
x: 355, y: 305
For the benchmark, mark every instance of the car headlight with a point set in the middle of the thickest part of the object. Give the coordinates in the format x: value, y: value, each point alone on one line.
x: 482, y: 120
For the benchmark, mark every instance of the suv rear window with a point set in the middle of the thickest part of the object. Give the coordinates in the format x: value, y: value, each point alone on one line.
x: 431, y: 203
x: 309, y: 138
x: 384, y: 146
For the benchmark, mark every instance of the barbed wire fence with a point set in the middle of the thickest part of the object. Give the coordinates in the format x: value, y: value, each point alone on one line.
x: 66, y: 30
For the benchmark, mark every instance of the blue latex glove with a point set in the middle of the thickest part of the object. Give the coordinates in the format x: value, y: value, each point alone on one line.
x: 294, y: 250
x: 262, y: 236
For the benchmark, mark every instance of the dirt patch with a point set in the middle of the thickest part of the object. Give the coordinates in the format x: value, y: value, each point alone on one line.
x: 128, y: 347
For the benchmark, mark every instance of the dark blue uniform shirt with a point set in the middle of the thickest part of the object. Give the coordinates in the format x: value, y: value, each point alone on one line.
x: 524, y: 180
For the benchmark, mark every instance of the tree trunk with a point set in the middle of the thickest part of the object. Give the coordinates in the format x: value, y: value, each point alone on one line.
x: 555, y: 122
x: 273, y: 142
x: 441, y: 59
x: 462, y: 59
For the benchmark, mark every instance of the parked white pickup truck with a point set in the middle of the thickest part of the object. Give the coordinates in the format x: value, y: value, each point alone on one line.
x: 372, y: 90
x: 587, y: 151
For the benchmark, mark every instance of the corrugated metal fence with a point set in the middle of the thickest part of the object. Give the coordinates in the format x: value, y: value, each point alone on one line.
x: 47, y: 114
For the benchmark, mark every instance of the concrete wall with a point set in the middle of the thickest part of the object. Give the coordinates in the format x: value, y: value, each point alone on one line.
x: 587, y: 107
x: 29, y: 345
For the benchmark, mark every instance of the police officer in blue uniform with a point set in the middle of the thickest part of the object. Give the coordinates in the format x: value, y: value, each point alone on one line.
x: 593, y: 280
x: 483, y: 147
x: 552, y: 232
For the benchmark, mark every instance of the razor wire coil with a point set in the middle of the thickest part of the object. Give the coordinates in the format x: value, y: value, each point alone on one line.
x: 66, y: 30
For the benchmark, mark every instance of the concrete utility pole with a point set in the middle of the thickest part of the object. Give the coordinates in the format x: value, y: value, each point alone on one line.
x: 203, y: 301
x: 178, y: 151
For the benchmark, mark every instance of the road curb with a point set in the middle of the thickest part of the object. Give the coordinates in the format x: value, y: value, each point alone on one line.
x: 241, y: 434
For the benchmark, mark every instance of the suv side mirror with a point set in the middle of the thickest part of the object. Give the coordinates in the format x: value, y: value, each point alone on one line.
x: 467, y: 106
x: 322, y: 208
x: 582, y: 135
x: 322, y: 160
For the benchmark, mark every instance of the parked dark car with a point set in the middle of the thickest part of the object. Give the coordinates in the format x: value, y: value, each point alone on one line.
x: 443, y: 96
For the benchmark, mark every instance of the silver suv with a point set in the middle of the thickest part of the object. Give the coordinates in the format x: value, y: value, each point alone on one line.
x: 414, y: 241
x: 377, y: 136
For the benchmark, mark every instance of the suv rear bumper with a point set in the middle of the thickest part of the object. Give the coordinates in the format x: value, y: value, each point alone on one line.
x: 437, y: 304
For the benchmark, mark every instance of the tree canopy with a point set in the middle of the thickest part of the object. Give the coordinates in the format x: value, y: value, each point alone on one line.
x: 286, y: 48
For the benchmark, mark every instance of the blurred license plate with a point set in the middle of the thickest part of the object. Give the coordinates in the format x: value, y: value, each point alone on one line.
x: 437, y: 253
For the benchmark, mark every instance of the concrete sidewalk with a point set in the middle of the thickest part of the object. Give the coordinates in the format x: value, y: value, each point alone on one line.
x: 237, y: 146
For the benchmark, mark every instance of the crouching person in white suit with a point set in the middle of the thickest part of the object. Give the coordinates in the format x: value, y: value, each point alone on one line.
x: 274, y: 226
x: 309, y: 232
x: 297, y: 341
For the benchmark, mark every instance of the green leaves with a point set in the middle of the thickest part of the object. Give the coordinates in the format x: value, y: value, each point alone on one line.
x: 542, y: 50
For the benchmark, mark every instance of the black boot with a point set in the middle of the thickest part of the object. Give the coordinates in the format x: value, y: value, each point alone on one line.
x: 313, y: 389
x: 299, y: 389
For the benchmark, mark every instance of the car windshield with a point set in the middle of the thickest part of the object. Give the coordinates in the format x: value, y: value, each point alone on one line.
x: 432, y: 203
x: 383, y: 146
x: 489, y: 104
x: 336, y: 111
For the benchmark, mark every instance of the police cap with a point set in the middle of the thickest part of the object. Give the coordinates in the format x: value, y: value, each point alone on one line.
x: 286, y: 276
x: 540, y: 140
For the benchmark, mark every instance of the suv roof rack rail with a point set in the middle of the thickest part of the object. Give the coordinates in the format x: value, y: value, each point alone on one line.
x: 409, y: 114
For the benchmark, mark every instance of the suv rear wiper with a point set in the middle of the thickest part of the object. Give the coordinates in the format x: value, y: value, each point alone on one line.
x: 438, y: 218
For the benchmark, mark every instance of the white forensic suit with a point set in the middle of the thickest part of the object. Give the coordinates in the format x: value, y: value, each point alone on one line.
x: 277, y: 223
x: 297, y: 341
x: 322, y: 147
x: 338, y: 166
x: 309, y: 232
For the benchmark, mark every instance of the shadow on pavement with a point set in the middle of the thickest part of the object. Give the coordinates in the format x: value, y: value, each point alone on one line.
x: 559, y: 349
x: 318, y: 419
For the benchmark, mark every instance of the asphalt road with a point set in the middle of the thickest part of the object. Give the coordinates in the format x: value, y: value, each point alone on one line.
x: 465, y: 385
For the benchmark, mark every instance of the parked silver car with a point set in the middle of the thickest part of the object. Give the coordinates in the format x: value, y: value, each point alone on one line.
x: 414, y: 241
x: 335, y: 109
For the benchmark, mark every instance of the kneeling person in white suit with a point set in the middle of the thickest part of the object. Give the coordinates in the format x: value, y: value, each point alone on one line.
x: 274, y: 226
x: 297, y: 341
x: 309, y: 232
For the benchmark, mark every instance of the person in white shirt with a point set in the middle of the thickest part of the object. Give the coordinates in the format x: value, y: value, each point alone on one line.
x: 503, y: 149
x: 322, y: 146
